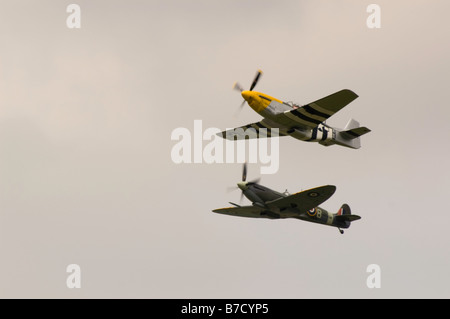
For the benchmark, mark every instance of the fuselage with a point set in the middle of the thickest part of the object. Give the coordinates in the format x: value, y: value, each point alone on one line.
x: 270, y: 107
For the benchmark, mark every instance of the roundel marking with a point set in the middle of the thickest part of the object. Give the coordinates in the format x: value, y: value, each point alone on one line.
x: 312, y: 212
x: 313, y: 194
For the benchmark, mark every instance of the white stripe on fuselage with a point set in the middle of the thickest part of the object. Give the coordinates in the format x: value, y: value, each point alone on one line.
x: 330, y: 218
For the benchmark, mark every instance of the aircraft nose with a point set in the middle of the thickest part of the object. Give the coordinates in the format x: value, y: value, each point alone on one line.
x: 242, y: 185
x: 246, y: 95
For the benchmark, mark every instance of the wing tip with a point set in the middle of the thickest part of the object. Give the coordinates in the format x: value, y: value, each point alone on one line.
x: 350, y: 92
x: 219, y: 209
x: 315, y: 189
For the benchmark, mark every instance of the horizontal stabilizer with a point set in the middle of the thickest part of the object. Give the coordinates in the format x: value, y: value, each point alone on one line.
x: 347, y: 218
x: 354, y: 133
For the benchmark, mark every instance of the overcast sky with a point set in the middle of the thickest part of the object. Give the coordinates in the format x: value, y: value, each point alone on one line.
x: 86, y: 175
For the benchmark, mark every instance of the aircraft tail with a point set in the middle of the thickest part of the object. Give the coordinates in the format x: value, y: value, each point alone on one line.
x: 344, y: 210
x: 350, y: 135
x: 351, y: 124
x: 344, y: 215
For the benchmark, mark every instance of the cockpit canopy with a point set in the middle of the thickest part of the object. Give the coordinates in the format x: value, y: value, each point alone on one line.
x: 292, y: 104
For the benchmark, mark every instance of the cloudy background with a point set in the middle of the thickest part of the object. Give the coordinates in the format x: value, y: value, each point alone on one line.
x: 86, y: 175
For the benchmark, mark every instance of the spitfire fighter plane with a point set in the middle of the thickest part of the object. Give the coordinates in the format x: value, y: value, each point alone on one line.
x: 306, y: 123
x: 267, y: 203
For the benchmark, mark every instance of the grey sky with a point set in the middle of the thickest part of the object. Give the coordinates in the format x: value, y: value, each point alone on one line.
x: 86, y: 175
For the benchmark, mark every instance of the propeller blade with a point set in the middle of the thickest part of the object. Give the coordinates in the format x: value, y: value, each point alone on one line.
x: 239, y: 109
x: 244, y: 172
x: 237, y: 87
x: 254, y: 181
x: 231, y: 189
x: 255, y: 81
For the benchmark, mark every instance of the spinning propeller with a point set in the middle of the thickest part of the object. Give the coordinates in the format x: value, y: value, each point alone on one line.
x: 239, y: 88
x: 243, y: 185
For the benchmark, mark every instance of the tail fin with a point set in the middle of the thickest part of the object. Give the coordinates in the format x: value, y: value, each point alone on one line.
x: 350, y: 136
x: 345, y: 214
x: 351, y: 124
x: 344, y: 210
x: 353, y: 130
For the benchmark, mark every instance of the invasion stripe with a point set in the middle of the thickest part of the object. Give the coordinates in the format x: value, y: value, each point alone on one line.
x: 258, y: 126
x: 305, y: 118
x: 321, y: 109
x: 315, y: 117
x: 268, y: 129
x: 249, y: 131
x: 292, y: 117
x: 312, y: 111
x: 324, y: 134
x: 313, y: 135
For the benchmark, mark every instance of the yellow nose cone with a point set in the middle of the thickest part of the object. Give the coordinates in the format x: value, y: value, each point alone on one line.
x: 247, y: 95
x: 255, y: 102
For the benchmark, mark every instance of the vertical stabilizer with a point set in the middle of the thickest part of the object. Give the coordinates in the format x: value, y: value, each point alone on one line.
x: 351, y: 125
x: 344, y: 210
x: 350, y: 135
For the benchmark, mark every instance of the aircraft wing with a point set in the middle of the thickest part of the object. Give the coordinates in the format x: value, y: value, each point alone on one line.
x: 312, y: 114
x: 249, y: 131
x: 305, y: 200
x: 242, y: 211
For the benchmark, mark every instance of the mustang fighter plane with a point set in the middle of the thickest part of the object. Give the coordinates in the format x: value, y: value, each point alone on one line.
x: 306, y: 123
x: 267, y: 203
